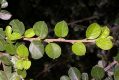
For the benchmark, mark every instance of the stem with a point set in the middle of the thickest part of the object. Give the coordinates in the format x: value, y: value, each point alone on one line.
x: 60, y: 40
x: 110, y: 65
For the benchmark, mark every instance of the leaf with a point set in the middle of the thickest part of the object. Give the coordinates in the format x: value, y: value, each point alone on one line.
x: 29, y: 33
x: 15, y: 36
x: 2, y: 75
x: 19, y: 64
x: 10, y: 48
x: 36, y: 49
x: 105, y: 32
x: 22, y: 51
x: 2, y: 34
x: 116, y: 72
x: 93, y: 31
x: 2, y: 45
x: 97, y: 72
x: 61, y: 29
x: 23, y: 73
x: 53, y: 50
x: 4, y: 4
x: 5, y: 15
x: 104, y: 43
x: 84, y: 76
x: 40, y: 28
x: 74, y: 73
x: 64, y: 77
x: 17, y: 26
x: 8, y: 31
x: 26, y: 64
x: 79, y: 48
x: 5, y: 60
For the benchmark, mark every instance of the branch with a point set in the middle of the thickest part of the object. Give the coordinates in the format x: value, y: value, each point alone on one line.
x: 60, y: 40
x: 110, y: 65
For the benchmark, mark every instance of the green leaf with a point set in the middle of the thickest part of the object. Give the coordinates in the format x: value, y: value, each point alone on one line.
x: 79, y: 48
x: 104, y: 43
x: 105, y: 32
x: 40, y: 28
x: 17, y: 26
x: 53, y: 50
x: 8, y: 31
x: 29, y: 33
x: 61, y: 29
x: 15, y: 36
x: 84, y: 76
x: 26, y: 64
x: 93, y: 31
x: 64, y: 77
x: 19, y: 64
x: 74, y: 73
x: 2, y: 45
x: 2, y: 34
x: 10, y: 48
x: 36, y: 49
x: 116, y: 72
x: 97, y: 72
x: 5, y: 60
x: 22, y: 51
x: 23, y: 73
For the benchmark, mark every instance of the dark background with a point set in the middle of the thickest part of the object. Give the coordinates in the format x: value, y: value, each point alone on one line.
x: 105, y: 12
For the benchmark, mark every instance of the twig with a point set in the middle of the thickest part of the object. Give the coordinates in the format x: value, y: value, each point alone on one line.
x: 85, y: 19
x: 110, y: 65
x: 60, y: 40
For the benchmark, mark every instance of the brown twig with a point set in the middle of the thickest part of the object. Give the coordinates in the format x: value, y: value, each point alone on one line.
x: 60, y: 40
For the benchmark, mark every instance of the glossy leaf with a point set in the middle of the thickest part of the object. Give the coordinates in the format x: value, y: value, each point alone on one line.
x: 15, y: 36
x: 8, y: 31
x: 17, y: 26
x: 4, y: 3
x: 79, y: 48
x: 64, y: 77
x: 26, y: 64
x: 74, y: 73
x: 105, y: 32
x: 84, y: 76
x: 36, y: 49
x: 29, y: 33
x: 53, y: 50
x: 19, y: 64
x: 23, y: 73
x: 93, y: 31
x: 5, y: 15
x: 5, y: 60
x: 2, y: 45
x: 116, y: 72
x: 10, y: 49
x: 22, y: 51
x: 104, y: 43
x: 40, y: 28
x: 2, y: 34
x: 97, y: 72
x: 61, y: 29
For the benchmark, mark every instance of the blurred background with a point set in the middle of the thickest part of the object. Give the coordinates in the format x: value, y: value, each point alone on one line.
x: 78, y: 14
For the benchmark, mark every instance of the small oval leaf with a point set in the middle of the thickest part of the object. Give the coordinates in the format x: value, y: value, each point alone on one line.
x: 97, y: 73
x: 53, y: 50
x: 64, y: 77
x: 15, y: 36
x: 105, y: 32
x: 23, y: 73
x: 61, y: 29
x: 84, y: 76
x: 79, y: 48
x: 22, y: 51
x: 26, y: 64
x: 74, y: 73
x: 93, y: 31
x: 19, y: 64
x: 29, y: 33
x: 104, y: 43
x: 40, y: 28
x: 17, y: 26
x: 36, y: 49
